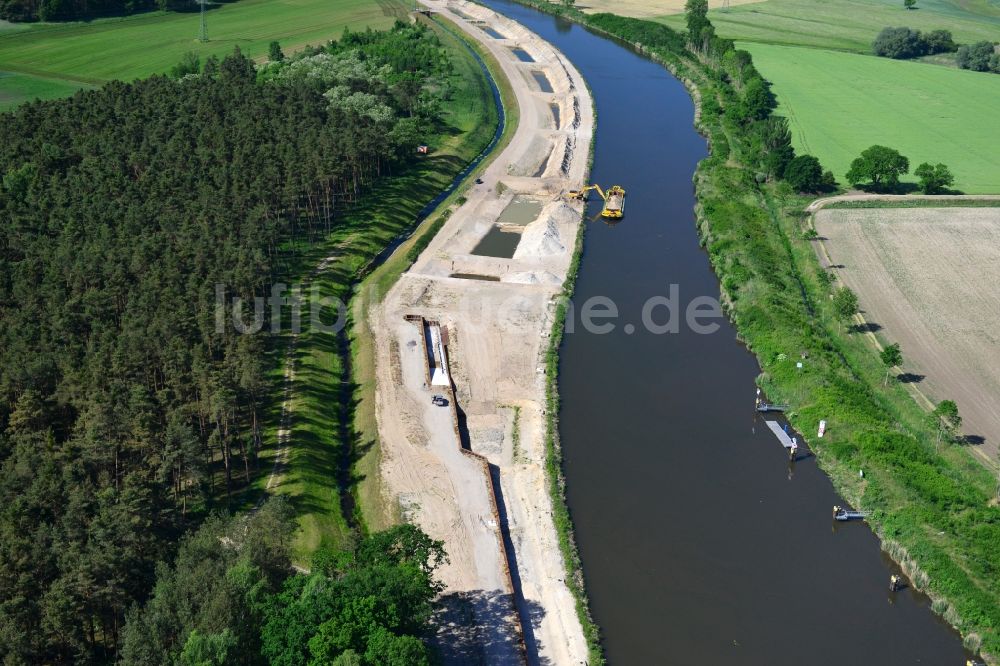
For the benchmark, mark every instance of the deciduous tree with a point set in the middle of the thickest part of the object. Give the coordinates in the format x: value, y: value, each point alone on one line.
x: 976, y: 56
x: 892, y: 357
x: 274, y: 52
x: 696, y: 13
x: 845, y: 303
x: 804, y: 173
x: 934, y: 178
x: 879, y: 165
x: 947, y: 419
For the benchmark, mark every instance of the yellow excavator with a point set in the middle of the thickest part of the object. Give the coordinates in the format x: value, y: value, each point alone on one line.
x: 614, y: 199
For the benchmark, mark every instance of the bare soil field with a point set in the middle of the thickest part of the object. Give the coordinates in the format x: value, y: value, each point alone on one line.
x: 930, y: 278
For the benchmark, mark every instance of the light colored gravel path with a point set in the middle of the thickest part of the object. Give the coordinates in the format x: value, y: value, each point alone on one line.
x: 889, y: 198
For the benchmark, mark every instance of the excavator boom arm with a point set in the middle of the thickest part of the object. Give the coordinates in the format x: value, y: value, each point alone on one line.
x: 582, y: 194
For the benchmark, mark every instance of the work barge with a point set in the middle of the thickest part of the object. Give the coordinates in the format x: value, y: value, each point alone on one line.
x: 614, y: 199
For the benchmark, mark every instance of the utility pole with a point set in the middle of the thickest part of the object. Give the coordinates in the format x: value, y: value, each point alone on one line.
x: 204, y: 24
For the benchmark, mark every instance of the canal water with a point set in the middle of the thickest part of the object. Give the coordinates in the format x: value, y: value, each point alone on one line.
x: 700, y: 543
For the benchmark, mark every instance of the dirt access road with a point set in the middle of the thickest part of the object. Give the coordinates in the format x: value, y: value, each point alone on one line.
x: 497, y: 320
x: 928, y: 277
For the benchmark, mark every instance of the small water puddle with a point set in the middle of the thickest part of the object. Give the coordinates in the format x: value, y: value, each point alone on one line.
x: 542, y: 81
x: 475, y: 276
x: 520, y: 211
x: 498, y: 243
x: 522, y: 55
x: 555, y: 114
x: 493, y: 33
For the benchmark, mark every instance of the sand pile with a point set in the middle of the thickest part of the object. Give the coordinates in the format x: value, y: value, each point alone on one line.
x: 533, y: 277
x: 543, y: 237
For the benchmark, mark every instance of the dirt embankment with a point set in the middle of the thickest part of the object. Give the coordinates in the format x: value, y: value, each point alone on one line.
x: 490, y: 277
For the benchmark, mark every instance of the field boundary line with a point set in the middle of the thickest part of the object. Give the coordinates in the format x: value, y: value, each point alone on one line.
x: 823, y: 202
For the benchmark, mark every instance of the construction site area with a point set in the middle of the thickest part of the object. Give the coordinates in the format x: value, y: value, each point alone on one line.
x: 460, y: 345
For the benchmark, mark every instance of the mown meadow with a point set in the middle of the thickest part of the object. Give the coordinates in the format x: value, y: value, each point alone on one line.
x: 841, y: 99
x: 848, y: 25
x: 838, y: 104
x: 53, y: 59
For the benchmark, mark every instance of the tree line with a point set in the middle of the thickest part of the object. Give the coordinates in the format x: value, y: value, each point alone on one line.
x: 879, y: 168
x: 231, y: 597
x: 748, y: 104
x: 77, y: 10
x: 906, y: 43
x: 979, y: 57
x: 124, y: 413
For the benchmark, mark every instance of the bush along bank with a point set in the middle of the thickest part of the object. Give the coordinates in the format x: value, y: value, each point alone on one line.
x: 553, y: 464
x: 932, y: 506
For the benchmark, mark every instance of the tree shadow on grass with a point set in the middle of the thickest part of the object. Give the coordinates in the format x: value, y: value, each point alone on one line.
x: 867, y: 327
x: 884, y: 188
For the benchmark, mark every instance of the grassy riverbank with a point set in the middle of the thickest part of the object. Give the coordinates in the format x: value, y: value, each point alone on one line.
x: 553, y: 461
x: 935, y: 510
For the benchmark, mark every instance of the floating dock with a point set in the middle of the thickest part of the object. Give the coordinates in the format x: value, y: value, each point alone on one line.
x: 842, y: 514
x: 782, y: 436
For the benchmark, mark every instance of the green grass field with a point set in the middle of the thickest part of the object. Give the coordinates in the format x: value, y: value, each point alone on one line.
x: 16, y: 88
x: 849, y: 24
x: 841, y: 103
x: 62, y: 56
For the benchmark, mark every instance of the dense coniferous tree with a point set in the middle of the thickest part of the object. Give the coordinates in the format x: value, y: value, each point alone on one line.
x: 124, y: 412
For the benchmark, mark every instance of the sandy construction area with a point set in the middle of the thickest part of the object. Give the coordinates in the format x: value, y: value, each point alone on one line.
x: 496, y: 317
x: 930, y: 277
